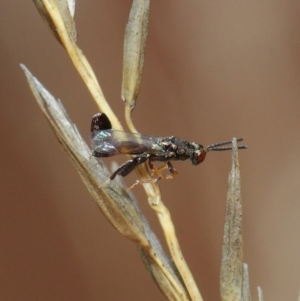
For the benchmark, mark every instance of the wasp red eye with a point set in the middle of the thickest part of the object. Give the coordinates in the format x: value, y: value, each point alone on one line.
x: 201, y: 156
x: 198, y: 156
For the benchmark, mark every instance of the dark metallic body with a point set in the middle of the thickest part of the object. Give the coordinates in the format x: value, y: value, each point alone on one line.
x: 108, y: 142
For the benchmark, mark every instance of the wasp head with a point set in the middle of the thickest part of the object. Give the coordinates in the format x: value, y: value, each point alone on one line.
x: 198, y: 153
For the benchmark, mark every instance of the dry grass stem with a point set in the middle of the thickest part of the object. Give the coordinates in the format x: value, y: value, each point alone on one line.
x: 174, y: 247
x: 79, y: 60
x: 133, y: 62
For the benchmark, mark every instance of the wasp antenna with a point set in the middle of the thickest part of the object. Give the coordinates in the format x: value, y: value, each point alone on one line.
x: 227, y: 148
x: 219, y: 145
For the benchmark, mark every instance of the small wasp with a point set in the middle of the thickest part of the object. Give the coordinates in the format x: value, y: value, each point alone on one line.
x: 108, y: 142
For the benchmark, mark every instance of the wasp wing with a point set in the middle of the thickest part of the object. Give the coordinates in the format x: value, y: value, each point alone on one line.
x: 113, y: 142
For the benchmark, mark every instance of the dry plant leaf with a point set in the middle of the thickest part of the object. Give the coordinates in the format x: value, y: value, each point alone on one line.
x: 246, y: 296
x: 260, y: 294
x: 72, y: 6
x: 134, y: 51
x: 67, y: 11
x: 232, y: 265
x: 112, y: 199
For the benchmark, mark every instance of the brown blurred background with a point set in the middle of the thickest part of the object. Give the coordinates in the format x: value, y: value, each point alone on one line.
x: 213, y: 70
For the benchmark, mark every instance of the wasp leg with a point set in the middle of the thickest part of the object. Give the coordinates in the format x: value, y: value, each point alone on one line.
x: 172, y: 170
x: 129, y: 166
x: 145, y: 181
x: 158, y: 171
